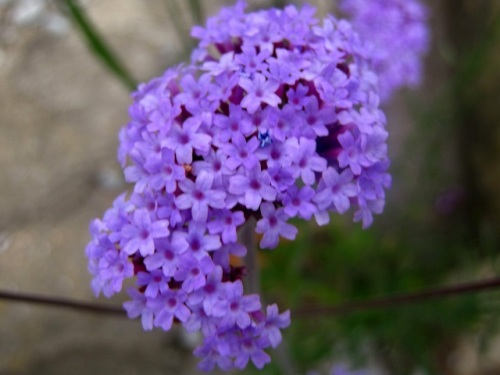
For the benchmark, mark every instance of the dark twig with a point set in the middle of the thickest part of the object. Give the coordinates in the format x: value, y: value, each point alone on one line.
x: 341, y: 309
x: 399, y: 299
x: 62, y: 302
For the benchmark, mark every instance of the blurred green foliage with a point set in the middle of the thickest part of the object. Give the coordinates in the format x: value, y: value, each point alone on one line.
x: 344, y: 263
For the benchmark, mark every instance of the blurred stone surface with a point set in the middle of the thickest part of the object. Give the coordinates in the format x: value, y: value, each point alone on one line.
x: 60, y: 111
x: 60, y: 115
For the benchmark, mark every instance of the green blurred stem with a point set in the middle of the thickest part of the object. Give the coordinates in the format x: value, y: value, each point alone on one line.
x: 247, y: 238
x: 252, y: 285
x: 279, y: 3
x: 96, y: 42
x: 196, y: 11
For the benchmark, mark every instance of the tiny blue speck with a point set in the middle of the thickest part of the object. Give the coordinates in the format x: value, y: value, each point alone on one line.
x: 264, y: 138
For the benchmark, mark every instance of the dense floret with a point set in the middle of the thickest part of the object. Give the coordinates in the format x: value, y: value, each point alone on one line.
x: 276, y: 117
x: 397, y: 36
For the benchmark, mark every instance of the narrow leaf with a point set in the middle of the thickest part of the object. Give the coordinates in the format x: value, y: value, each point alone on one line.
x: 96, y: 42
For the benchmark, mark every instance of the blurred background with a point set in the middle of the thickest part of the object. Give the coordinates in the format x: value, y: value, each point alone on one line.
x: 60, y: 111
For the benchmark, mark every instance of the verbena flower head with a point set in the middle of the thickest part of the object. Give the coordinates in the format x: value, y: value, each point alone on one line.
x: 397, y: 35
x: 276, y: 117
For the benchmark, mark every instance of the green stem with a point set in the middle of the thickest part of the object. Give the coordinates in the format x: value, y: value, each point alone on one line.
x: 279, y: 3
x: 174, y: 14
x: 247, y: 238
x: 252, y: 285
x: 96, y: 42
x: 196, y: 11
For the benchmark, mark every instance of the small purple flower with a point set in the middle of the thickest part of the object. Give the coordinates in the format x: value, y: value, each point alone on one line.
x: 166, y: 256
x: 226, y: 222
x: 351, y: 155
x: 237, y: 123
x: 167, y: 209
x: 215, y: 165
x: 192, y: 271
x: 169, y: 305
x: 183, y: 140
x: 252, y: 187
x: 113, y: 268
x: 199, y: 196
x: 211, y: 355
x: 307, y: 161
x: 374, y: 146
x: 241, y: 152
x: 282, y: 70
x: 198, y: 242
x: 259, y: 90
x: 194, y: 91
x: 117, y: 216
x: 141, y: 233
x: 336, y: 189
x: 368, y: 207
x: 273, y: 225
x: 251, y: 347
x: 161, y: 118
x: 251, y: 61
x: 211, y: 292
x: 138, y: 307
x: 154, y: 281
x: 137, y: 174
x: 298, y: 202
x: 281, y: 178
x: 316, y: 118
x: 164, y: 172
x: 224, y: 65
x: 392, y: 28
x: 200, y: 321
x: 224, y: 85
x: 273, y: 323
x: 235, y: 308
x: 277, y: 153
x: 221, y: 256
x: 282, y: 122
x: 296, y: 97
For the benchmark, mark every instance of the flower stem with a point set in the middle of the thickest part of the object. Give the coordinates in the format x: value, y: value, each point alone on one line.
x: 196, y: 11
x: 96, y: 42
x: 252, y: 285
x: 247, y: 238
x: 81, y: 306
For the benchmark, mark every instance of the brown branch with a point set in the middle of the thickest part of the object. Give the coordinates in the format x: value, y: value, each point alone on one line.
x: 62, y: 302
x: 341, y: 309
x: 398, y: 299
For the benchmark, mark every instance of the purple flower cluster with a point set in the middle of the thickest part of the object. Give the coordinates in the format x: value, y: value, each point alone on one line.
x: 397, y: 35
x: 276, y: 117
